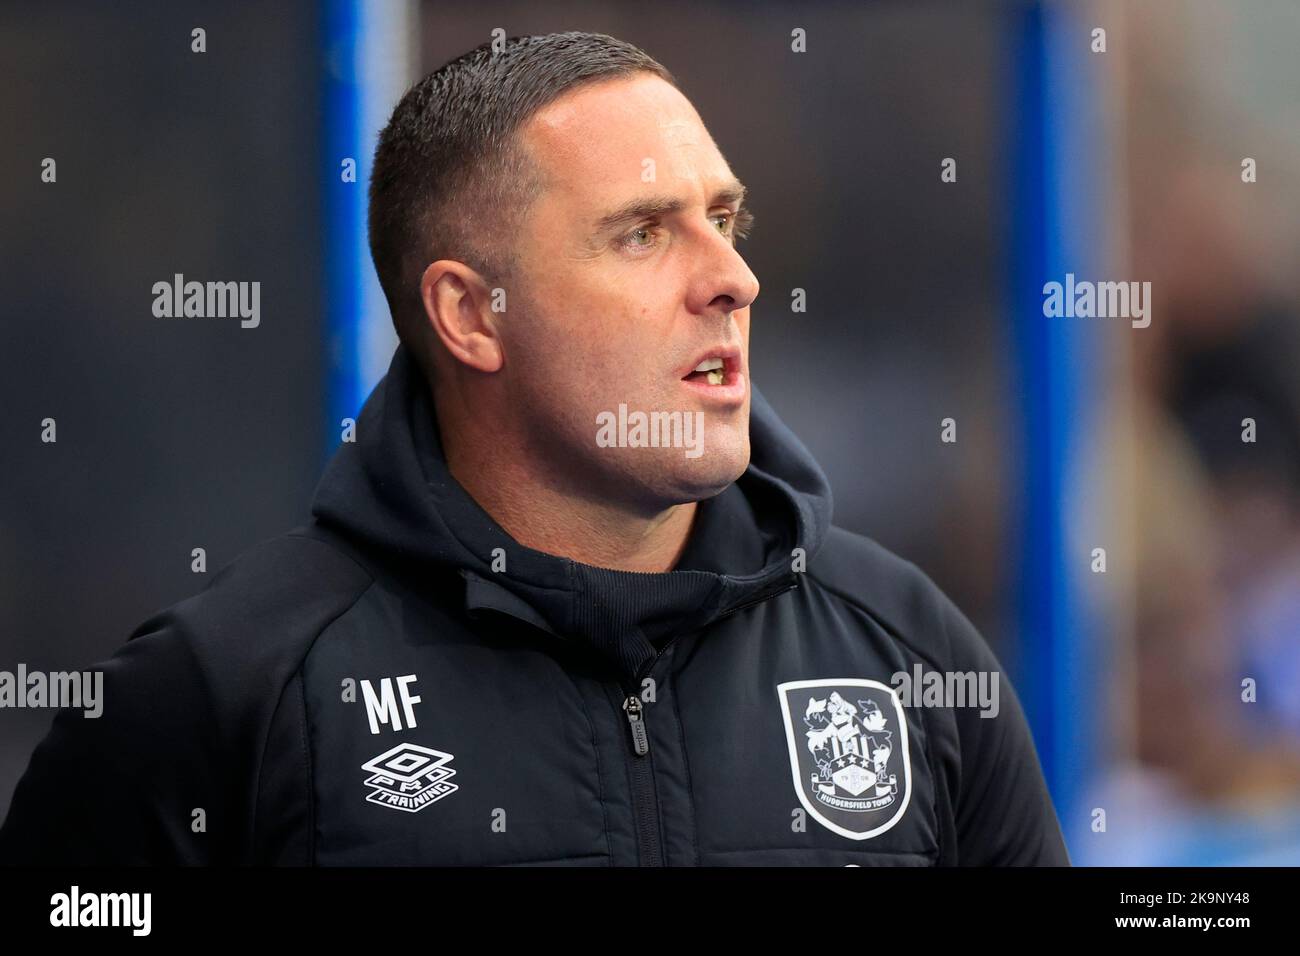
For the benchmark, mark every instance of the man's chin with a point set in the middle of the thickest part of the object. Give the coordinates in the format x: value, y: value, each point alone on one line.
x: 662, y: 459
x: 663, y: 477
x: 708, y: 475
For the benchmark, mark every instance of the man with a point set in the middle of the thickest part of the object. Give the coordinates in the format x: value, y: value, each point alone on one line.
x: 573, y: 595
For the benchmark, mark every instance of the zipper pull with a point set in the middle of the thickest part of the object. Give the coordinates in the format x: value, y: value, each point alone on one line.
x: 640, y: 740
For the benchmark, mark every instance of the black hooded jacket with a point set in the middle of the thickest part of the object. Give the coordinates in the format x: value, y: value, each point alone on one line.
x: 400, y: 682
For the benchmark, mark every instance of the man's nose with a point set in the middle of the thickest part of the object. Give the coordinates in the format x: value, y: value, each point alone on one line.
x: 723, y: 282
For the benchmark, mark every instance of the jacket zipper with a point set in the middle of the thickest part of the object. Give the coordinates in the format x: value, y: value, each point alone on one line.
x: 640, y: 742
x: 645, y: 805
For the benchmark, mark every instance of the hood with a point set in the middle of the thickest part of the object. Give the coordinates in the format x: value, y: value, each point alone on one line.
x: 391, y: 493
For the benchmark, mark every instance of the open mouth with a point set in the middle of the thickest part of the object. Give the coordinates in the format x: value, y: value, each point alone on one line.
x: 718, y: 377
x: 711, y: 371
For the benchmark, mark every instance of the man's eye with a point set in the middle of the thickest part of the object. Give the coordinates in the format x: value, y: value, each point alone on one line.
x: 642, y: 237
x: 737, y: 224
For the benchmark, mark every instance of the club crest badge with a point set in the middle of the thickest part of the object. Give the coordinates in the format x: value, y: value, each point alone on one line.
x: 849, y: 757
x: 409, y: 777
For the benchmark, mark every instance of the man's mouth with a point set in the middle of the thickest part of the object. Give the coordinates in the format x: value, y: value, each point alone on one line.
x: 713, y: 371
x: 718, y: 377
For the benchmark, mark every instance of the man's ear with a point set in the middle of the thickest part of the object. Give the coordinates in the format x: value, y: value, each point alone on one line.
x: 457, y: 305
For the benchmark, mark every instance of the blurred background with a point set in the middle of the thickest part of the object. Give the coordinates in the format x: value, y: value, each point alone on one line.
x: 1120, y: 157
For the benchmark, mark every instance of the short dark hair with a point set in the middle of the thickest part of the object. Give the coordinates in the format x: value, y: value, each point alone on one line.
x: 449, y: 180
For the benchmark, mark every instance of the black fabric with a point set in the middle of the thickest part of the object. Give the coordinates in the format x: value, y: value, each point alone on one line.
x: 292, y: 698
x: 726, y: 534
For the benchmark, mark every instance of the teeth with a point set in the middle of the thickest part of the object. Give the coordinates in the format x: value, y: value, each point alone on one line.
x: 715, y: 378
x: 709, y: 365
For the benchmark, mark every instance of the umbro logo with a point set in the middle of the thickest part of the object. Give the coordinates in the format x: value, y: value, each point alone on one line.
x: 409, y: 777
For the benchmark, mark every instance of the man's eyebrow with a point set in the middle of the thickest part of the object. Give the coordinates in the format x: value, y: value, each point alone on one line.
x: 648, y: 207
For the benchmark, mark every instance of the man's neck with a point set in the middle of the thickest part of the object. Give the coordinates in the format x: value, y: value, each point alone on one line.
x: 543, y: 515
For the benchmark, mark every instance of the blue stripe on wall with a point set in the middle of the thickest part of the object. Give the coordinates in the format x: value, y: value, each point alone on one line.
x: 344, y: 207
x: 1051, y: 188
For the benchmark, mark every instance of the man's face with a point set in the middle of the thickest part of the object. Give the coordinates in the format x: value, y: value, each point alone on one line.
x: 628, y: 279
